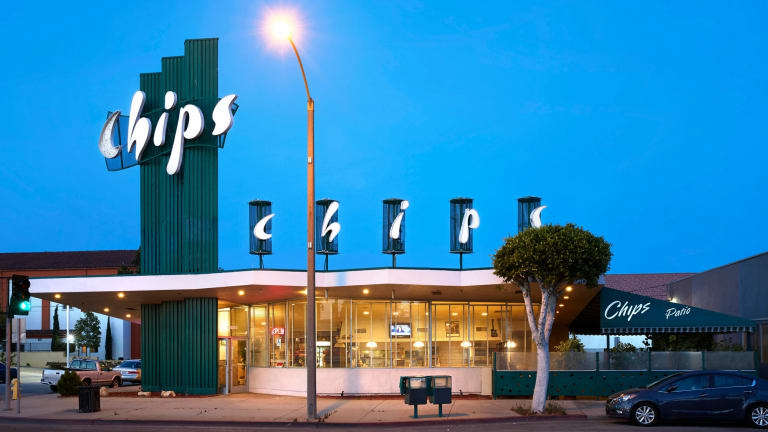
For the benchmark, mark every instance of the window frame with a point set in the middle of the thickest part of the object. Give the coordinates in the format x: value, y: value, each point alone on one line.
x: 708, y: 377
x: 752, y: 380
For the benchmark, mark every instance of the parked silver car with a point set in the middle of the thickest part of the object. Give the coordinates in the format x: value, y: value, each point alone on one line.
x: 130, y: 371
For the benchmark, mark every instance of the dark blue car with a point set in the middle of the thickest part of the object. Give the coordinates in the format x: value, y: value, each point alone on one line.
x: 14, y: 373
x: 698, y: 396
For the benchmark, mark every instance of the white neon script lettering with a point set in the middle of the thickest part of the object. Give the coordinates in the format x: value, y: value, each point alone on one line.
x: 333, y: 228
x: 674, y: 312
x: 259, y: 229
x: 190, y: 126
x: 626, y: 310
x: 394, y: 230
x: 471, y: 220
x: 139, y: 127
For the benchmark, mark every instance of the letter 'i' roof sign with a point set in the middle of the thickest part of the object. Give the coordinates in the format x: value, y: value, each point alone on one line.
x: 124, y: 139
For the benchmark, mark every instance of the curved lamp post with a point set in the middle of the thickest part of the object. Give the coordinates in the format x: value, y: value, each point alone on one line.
x: 282, y: 30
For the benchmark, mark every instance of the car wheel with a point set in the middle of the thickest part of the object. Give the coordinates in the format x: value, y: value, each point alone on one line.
x: 758, y: 416
x: 115, y: 382
x: 645, y: 414
x: 86, y: 382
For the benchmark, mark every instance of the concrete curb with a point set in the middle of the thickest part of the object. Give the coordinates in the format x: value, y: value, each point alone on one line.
x: 218, y: 423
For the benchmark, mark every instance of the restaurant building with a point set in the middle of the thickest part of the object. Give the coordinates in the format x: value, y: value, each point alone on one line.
x: 206, y: 331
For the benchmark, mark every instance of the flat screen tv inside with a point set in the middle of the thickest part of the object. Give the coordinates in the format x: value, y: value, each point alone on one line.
x: 400, y: 329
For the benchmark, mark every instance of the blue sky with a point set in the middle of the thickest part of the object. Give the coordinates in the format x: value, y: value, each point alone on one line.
x: 645, y: 124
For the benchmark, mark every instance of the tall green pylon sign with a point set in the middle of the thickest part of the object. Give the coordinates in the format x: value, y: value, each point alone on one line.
x: 174, y: 129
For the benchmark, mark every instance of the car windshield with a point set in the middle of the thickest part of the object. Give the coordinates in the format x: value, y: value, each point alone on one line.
x: 663, y: 380
x: 127, y: 365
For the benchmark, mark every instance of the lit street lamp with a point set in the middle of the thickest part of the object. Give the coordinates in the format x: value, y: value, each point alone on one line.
x: 281, y: 28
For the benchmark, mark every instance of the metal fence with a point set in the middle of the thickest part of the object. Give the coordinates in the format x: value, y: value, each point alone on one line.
x: 630, y: 361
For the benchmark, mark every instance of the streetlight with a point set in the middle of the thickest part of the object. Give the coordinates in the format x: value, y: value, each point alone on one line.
x: 281, y: 28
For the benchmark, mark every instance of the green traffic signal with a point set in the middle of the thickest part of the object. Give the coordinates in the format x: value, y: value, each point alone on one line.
x: 19, y: 304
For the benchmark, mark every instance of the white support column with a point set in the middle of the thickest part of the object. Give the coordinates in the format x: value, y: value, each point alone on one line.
x: 67, y: 336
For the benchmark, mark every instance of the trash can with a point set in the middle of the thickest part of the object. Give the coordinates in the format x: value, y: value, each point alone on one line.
x: 89, y: 398
x: 439, y: 391
x: 414, y: 388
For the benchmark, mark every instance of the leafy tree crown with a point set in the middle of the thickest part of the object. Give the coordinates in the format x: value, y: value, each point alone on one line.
x: 553, y: 255
x: 88, y: 331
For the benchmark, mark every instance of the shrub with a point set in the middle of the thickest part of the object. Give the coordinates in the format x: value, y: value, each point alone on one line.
x: 68, y: 384
x: 572, y: 344
x: 551, y: 408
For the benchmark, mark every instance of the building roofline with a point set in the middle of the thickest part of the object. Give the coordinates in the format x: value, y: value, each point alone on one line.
x: 721, y: 266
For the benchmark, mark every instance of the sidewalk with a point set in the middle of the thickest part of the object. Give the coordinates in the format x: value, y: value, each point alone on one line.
x: 250, y: 407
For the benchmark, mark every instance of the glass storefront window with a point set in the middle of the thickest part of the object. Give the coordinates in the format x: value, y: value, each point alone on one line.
x: 223, y: 322
x: 259, y: 341
x: 483, y: 332
x: 238, y: 321
x: 450, y: 341
x: 324, y: 343
x: 297, y: 312
x: 340, y: 337
x: 408, y: 331
x: 278, y: 343
x: 381, y: 334
x: 233, y: 321
x: 370, y: 342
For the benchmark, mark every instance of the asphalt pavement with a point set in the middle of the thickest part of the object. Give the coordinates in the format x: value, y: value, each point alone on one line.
x: 594, y: 424
x: 30, y: 384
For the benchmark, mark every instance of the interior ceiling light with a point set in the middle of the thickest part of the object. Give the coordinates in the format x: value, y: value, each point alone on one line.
x: 418, y: 344
x: 106, y: 309
x: 466, y: 344
x: 241, y: 292
x: 120, y: 295
x: 371, y: 344
x: 57, y: 296
x: 566, y: 297
x: 127, y: 315
x: 569, y: 288
x: 366, y: 291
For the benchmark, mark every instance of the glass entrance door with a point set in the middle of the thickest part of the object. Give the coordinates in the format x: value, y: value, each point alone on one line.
x: 223, y: 386
x: 233, y: 366
x: 238, y: 365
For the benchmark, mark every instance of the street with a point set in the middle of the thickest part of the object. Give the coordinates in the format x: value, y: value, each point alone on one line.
x: 595, y: 424
x: 30, y: 383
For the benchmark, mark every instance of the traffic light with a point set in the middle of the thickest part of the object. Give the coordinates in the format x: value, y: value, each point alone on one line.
x: 19, y: 304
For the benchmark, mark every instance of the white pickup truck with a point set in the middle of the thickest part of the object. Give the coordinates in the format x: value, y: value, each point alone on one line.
x: 91, y: 372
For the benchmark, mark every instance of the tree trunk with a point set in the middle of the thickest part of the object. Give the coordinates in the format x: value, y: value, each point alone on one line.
x: 542, y: 378
x: 540, y: 332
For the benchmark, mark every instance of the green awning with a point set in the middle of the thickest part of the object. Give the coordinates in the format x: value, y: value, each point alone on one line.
x: 619, y: 312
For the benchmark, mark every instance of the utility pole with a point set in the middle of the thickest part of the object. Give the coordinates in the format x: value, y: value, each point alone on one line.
x: 7, y: 362
x: 18, y: 366
x: 6, y: 291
